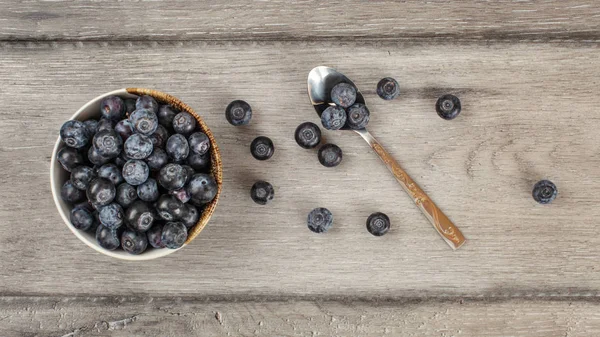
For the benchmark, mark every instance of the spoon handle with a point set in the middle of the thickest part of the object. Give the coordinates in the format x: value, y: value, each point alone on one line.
x: 449, y: 232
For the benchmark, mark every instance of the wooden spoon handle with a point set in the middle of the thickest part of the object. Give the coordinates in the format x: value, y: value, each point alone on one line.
x: 447, y: 230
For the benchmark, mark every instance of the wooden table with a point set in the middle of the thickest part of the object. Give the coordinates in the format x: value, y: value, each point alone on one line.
x: 527, y: 73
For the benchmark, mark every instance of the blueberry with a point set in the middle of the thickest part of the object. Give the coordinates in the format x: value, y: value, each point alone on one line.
x: 320, y: 220
x: 111, y: 215
x: 81, y: 176
x: 92, y: 126
x: 110, y: 172
x: 190, y: 216
x: 144, y: 121
x: 330, y: 155
x: 238, y: 113
x: 107, y: 238
x: 165, y: 115
x: 108, y: 143
x: 198, y: 162
x: 199, y: 143
x: 343, y: 94
x: 124, y: 128
x: 74, y: 134
x: 388, y: 88
x: 120, y: 161
x: 101, y: 191
x: 159, y: 137
x: 135, y: 172
x: 184, y: 123
x: 112, y: 107
x: 96, y: 158
x: 146, y: 102
x: 169, y: 207
x: 129, y: 105
x: 138, y: 147
x: 544, y: 191
x: 202, y: 188
x: 333, y: 118
x: 262, y: 148
x: 177, y: 147
x: 378, y: 224
x: 139, y: 216
x: 448, y: 107
x: 157, y: 159
x: 133, y: 242
x: 181, y: 194
x: 82, y: 218
x: 70, y: 193
x: 148, y: 191
x: 262, y: 192
x: 174, y: 235
x: 308, y: 135
x: 69, y: 158
x: 126, y: 195
x: 190, y: 171
x: 172, y: 176
x: 357, y: 116
x: 106, y: 124
x: 154, y: 235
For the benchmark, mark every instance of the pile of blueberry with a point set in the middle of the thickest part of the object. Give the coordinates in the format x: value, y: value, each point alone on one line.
x: 139, y: 175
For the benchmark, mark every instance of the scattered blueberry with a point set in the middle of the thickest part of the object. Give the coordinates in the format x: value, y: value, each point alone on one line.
x: 184, y: 123
x: 174, y: 235
x: 357, y: 116
x: 202, y: 188
x: 101, y: 191
x: 378, y: 224
x: 96, y: 158
x: 82, y: 218
x: 181, y: 194
x: 81, y: 176
x: 343, y: 94
x: 108, y: 143
x: 177, y: 147
x: 111, y: 215
x: 138, y: 146
x: 198, y: 162
x: 92, y: 126
x: 148, y: 191
x: 157, y: 159
x: 107, y: 238
x: 69, y: 158
x: 112, y: 107
x: 159, y: 137
x: 262, y: 192
x: 139, y: 216
x: 262, y: 148
x: 165, y: 115
x: 320, y: 220
x: 238, y: 113
x: 330, y: 155
x: 134, y: 242
x: 146, y: 102
x: 172, y: 177
x: 74, y: 134
x: 135, y: 172
x: 190, y: 216
x: 308, y: 135
x: 199, y: 143
x: 448, y: 107
x: 126, y: 195
x: 110, y: 172
x: 388, y: 88
x: 124, y: 128
x: 144, y: 121
x: 154, y: 235
x: 169, y: 208
x: 105, y: 124
x: 333, y: 118
x: 129, y: 105
x: 544, y: 191
x: 70, y: 193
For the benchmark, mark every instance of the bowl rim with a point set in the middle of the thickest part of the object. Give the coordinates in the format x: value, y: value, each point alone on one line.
x: 55, y: 189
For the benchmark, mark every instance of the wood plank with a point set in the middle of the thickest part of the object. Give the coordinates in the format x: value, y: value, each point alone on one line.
x: 530, y: 112
x: 79, y: 317
x: 300, y: 20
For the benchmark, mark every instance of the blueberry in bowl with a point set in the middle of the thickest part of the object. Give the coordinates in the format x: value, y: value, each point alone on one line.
x: 106, y: 174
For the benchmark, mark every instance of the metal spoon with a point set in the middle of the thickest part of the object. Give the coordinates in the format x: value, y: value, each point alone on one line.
x: 320, y: 82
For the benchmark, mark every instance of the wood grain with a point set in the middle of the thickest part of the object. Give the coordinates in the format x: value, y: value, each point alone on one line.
x: 147, y: 316
x: 300, y: 20
x: 529, y: 112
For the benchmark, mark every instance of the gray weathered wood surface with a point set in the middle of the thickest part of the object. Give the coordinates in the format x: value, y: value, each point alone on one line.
x: 527, y: 76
